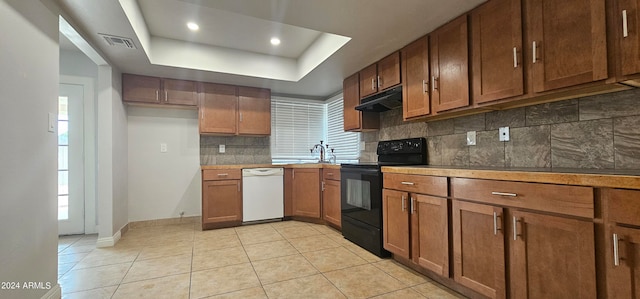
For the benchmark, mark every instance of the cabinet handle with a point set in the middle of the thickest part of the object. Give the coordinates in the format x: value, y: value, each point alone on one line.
x: 379, y: 82
x: 202, y: 114
x: 425, y: 86
x: 412, y: 205
x: 330, y: 174
x: 534, y: 52
x: 515, y: 57
x: 238, y: 183
x: 373, y: 83
x: 407, y: 183
x: 515, y: 228
x: 403, y: 204
x: 293, y: 174
x: 495, y: 224
x: 504, y: 194
x: 625, y: 26
x: 616, y: 254
x: 157, y: 99
x: 223, y: 174
x: 322, y: 186
x: 240, y: 116
x: 433, y: 83
x: 166, y: 96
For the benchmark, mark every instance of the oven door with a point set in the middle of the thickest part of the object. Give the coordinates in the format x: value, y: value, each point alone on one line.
x: 361, y: 194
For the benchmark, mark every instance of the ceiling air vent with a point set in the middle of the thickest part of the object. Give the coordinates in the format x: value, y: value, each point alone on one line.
x: 118, y: 41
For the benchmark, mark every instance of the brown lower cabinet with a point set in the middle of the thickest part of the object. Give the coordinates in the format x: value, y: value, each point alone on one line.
x: 331, y: 212
x: 305, y: 192
x: 415, y: 225
x: 221, y: 198
x: 549, y: 255
x: 622, y: 243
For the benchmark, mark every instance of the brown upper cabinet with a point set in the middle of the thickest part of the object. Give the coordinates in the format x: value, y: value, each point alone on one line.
x: 153, y: 90
x: 566, y: 43
x: 626, y: 35
x: 450, y: 66
x: 354, y: 120
x: 496, y: 39
x: 380, y: 76
x: 415, y: 74
x: 234, y: 110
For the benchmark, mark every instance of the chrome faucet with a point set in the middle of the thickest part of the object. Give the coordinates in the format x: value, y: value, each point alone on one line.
x: 322, y: 149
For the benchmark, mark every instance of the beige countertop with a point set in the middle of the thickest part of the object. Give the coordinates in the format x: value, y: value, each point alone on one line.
x: 242, y: 166
x: 627, y: 180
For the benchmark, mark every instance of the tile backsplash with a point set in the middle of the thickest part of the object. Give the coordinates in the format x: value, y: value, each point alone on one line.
x: 595, y: 132
x: 238, y: 150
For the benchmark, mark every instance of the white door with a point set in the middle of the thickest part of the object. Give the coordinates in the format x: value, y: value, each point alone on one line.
x: 70, y: 160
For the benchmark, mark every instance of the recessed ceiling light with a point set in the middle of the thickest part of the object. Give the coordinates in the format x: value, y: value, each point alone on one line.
x: 275, y: 41
x: 193, y: 26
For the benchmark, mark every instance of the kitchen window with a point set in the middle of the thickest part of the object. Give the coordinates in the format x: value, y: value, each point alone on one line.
x: 298, y: 124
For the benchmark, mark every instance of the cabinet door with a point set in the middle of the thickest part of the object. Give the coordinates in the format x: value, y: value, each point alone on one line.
x: 180, y: 92
x: 141, y: 89
x: 306, y: 193
x: 430, y: 233
x: 497, y: 51
x: 623, y: 262
x: 331, y: 202
x: 355, y: 120
x: 389, y: 71
x: 450, y: 66
x: 221, y: 201
x: 570, y: 42
x: 351, y: 99
x: 478, y: 248
x: 218, y: 108
x: 254, y: 106
x: 551, y: 257
x: 395, y: 222
x: 415, y: 70
x: 629, y: 38
x: 368, y: 80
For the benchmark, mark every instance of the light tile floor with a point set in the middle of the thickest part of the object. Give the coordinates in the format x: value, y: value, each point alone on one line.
x: 273, y: 260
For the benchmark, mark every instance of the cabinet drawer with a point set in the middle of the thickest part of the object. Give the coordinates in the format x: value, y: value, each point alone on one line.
x: 331, y: 174
x: 623, y: 205
x: 432, y: 185
x: 570, y: 200
x: 221, y: 174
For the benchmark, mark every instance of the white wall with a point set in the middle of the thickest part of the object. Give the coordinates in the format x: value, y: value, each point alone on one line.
x: 112, y: 181
x: 120, y: 157
x: 28, y: 155
x: 161, y: 185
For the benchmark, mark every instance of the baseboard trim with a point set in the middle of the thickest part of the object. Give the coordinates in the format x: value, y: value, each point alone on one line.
x: 165, y: 221
x: 109, y: 241
x: 54, y: 293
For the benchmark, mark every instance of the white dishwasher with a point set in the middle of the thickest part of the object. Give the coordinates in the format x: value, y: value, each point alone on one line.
x: 262, y: 194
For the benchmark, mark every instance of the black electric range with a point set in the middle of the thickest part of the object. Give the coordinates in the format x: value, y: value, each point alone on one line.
x: 361, y: 191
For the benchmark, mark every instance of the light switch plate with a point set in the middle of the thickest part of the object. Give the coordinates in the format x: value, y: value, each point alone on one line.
x: 52, y: 122
x: 221, y: 149
x: 163, y: 147
x: 471, y: 138
x: 504, y: 134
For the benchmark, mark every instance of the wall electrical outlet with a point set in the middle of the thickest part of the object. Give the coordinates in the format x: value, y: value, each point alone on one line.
x: 503, y: 133
x: 221, y: 149
x: 163, y: 147
x: 471, y: 138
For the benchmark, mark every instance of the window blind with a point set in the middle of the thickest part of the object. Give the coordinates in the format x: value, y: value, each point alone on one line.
x: 346, y: 144
x: 296, y: 126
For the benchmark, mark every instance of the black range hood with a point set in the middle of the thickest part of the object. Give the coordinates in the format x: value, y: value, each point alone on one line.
x: 382, y: 101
